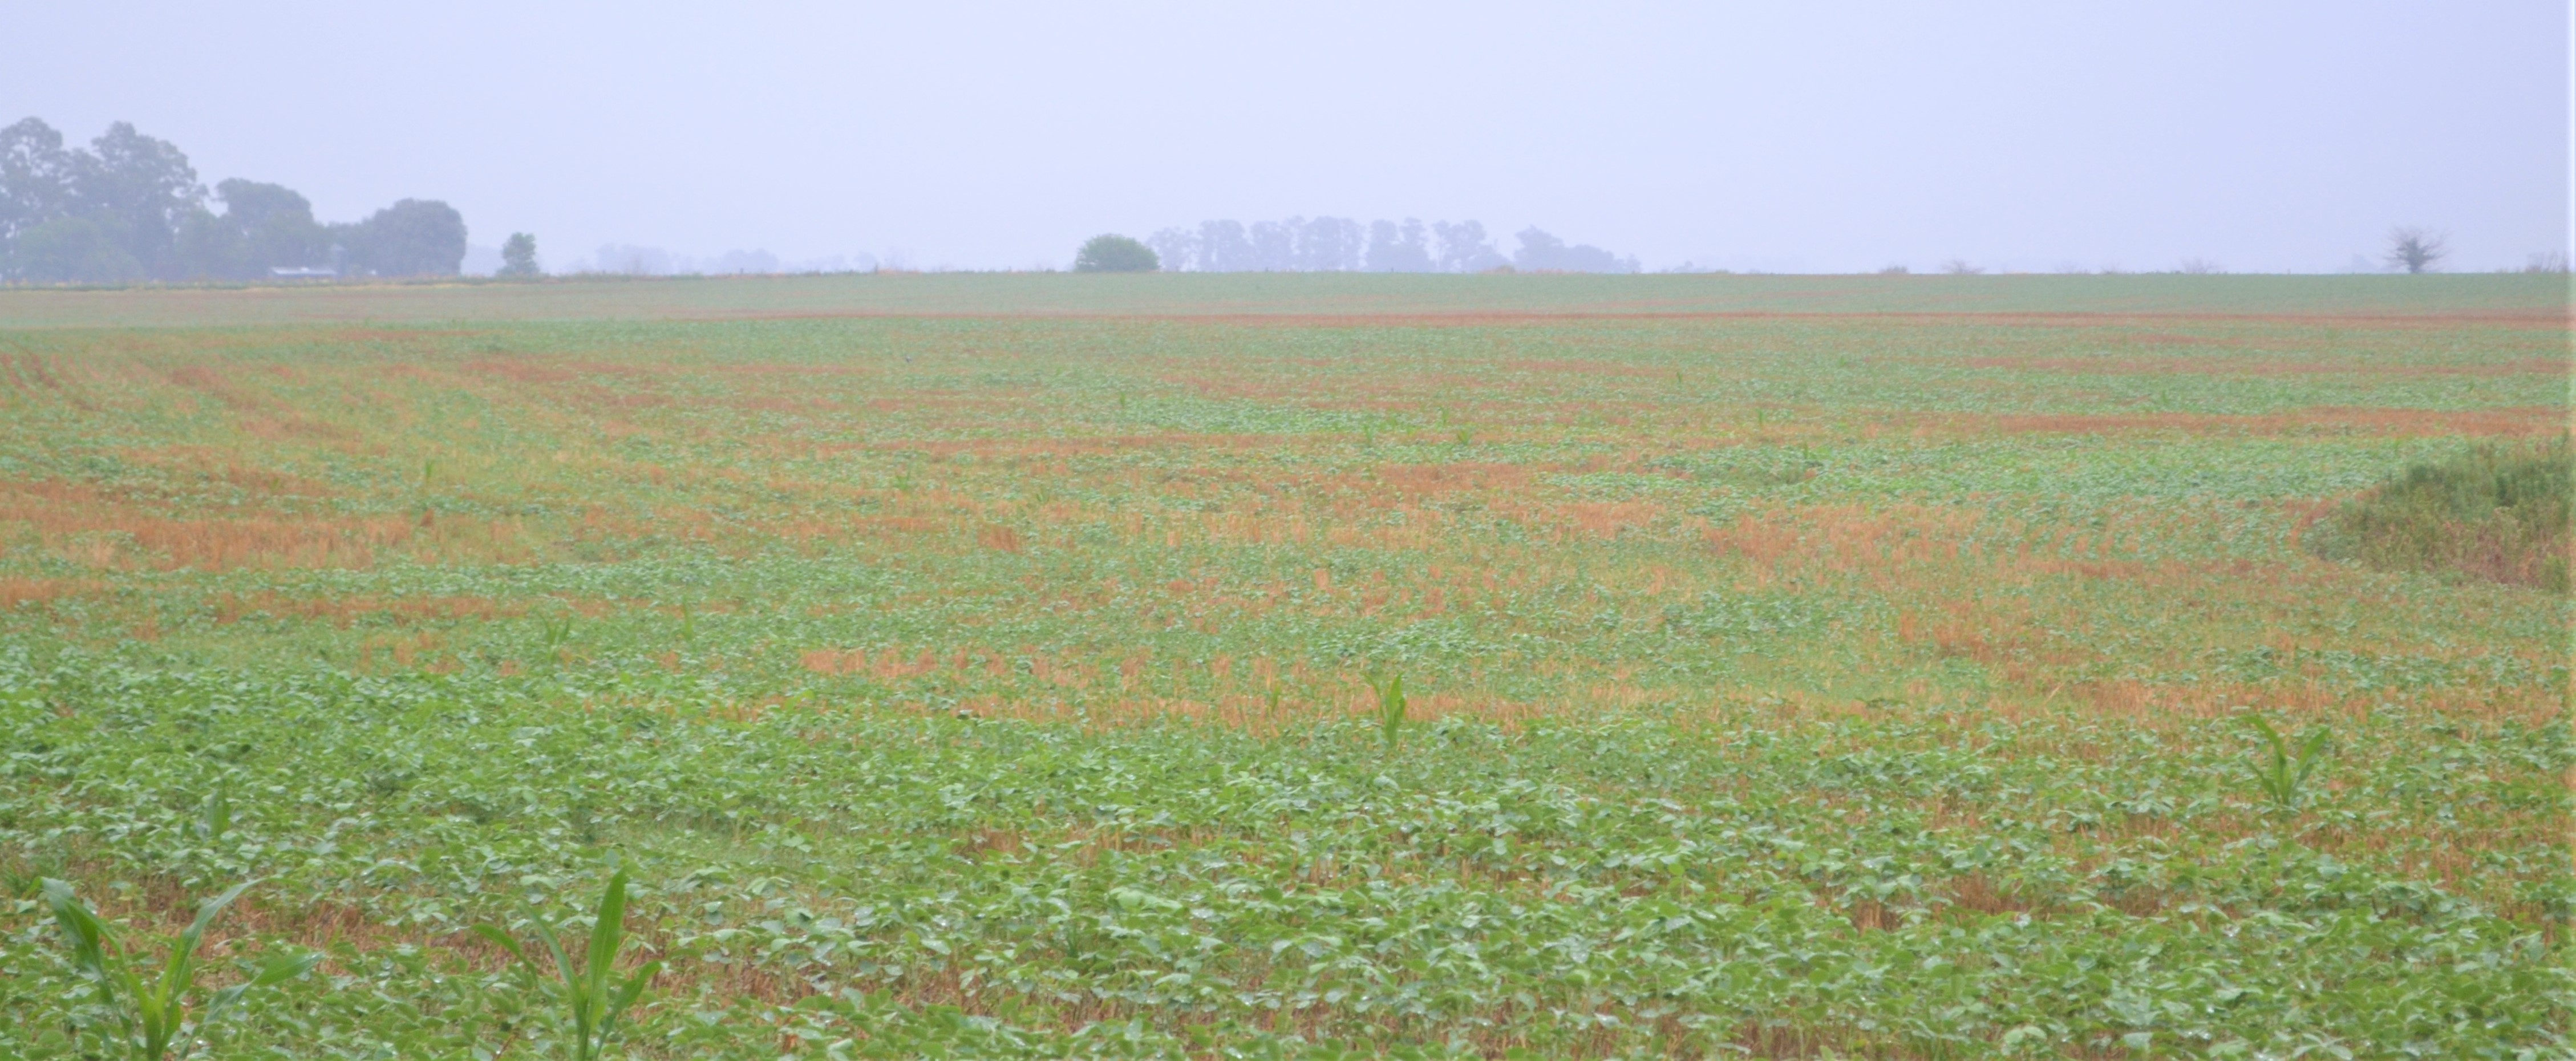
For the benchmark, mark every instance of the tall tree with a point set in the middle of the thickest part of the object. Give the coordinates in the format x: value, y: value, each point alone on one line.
x: 413, y: 237
x: 209, y: 247
x: 35, y: 177
x: 138, y: 189
x: 1176, y: 248
x: 1543, y: 253
x: 1224, y: 247
x: 519, y: 255
x: 2416, y: 250
x: 263, y: 227
x: 1329, y: 244
x: 277, y: 226
x: 1394, y: 248
x: 1464, y: 248
x: 72, y: 250
x: 1274, y: 245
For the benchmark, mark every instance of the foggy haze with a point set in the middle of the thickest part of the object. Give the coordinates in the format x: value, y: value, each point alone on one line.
x: 1843, y: 137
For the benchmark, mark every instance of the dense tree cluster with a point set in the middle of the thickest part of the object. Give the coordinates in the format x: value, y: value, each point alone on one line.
x: 129, y: 207
x: 1340, y: 244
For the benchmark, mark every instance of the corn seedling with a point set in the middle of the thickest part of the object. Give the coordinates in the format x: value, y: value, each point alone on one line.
x: 152, y: 1019
x: 592, y: 997
x: 217, y: 818
x: 2281, y: 775
x: 557, y: 631
x: 1390, y: 707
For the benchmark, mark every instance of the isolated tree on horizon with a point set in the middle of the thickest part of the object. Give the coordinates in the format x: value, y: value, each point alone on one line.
x: 519, y: 255
x: 2416, y: 250
x: 1113, y: 253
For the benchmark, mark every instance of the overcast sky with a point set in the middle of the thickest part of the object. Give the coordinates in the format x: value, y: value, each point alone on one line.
x: 1793, y: 137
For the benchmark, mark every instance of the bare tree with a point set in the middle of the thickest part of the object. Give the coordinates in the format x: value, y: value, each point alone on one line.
x: 2416, y: 250
x: 1960, y: 267
x: 2201, y: 267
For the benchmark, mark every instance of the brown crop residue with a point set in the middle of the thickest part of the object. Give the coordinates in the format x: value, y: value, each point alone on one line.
x: 2505, y: 422
x: 521, y: 371
x: 1583, y: 368
x: 100, y: 530
x: 1417, y: 481
x: 2138, y: 366
x: 17, y: 591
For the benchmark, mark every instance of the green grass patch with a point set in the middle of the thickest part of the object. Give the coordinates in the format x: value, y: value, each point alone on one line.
x: 2494, y: 512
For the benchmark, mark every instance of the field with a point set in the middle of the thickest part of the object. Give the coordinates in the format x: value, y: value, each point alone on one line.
x: 1001, y: 666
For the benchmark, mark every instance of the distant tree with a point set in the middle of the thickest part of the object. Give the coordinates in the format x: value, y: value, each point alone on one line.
x: 2416, y: 250
x: 1333, y: 244
x: 632, y: 260
x: 35, y: 177
x: 1224, y: 247
x: 140, y: 195
x: 1394, y: 248
x: 73, y: 250
x: 1274, y: 245
x: 277, y: 226
x: 209, y: 248
x: 138, y: 190
x: 1464, y: 249
x: 413, y: 237
x: 2201, y: 267
x: 1541, y: 252
x: 1110, y: 253
x: 519, y: 255
x: 1177, y: 249
x: 1960, y: 267
x: 1894, y: 270
x: 1329, y: 244
x: 263, y: 227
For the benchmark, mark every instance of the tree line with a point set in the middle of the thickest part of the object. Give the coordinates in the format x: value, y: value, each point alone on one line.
x: 129, y: 207
x: 1340, y: 244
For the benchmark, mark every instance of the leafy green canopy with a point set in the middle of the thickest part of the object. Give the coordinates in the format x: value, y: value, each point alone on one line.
x: 519, y: 255
x: 129, y: 207
x: 1109, y: 253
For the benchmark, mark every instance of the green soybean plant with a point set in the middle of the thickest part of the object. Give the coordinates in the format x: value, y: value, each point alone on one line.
x: 152, y: 1018
x: 592, y: 997
x: 2281, y: 774
x: 1390, y: 707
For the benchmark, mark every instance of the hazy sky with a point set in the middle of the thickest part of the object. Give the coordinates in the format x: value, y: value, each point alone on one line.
x: 1809, y: 136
